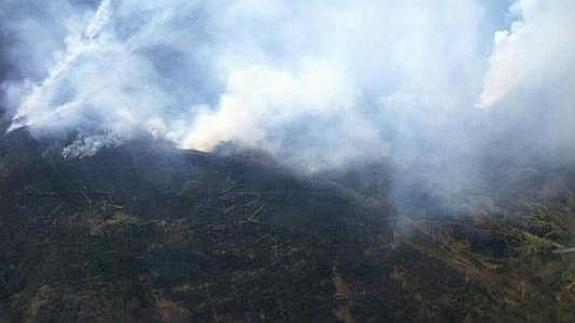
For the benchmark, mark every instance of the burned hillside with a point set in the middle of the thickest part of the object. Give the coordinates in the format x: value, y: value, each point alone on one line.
x: 147, y: 233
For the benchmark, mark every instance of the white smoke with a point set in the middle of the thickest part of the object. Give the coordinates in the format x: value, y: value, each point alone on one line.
x: 538, y: 48
x: 318, y: 85
x: 35, y: 109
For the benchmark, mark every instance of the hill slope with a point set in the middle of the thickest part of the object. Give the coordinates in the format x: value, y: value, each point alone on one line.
x: 146, y: 233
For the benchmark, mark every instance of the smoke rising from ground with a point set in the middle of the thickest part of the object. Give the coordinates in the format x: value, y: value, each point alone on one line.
x: 317, y: 85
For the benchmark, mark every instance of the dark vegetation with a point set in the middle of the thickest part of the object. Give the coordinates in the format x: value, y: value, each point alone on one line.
x: 146, y: 233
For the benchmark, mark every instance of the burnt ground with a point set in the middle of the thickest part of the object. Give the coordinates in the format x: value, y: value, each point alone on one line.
x: 147, y: 233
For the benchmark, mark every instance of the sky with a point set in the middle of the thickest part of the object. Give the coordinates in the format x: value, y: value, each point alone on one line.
x: 433, y: 86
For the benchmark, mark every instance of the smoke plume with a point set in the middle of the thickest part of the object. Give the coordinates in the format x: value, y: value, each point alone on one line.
x: 317, y: 85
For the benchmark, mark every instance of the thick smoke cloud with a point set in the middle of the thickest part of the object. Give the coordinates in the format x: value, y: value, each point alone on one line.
x: 317, y: 84
x: 538, y: 48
